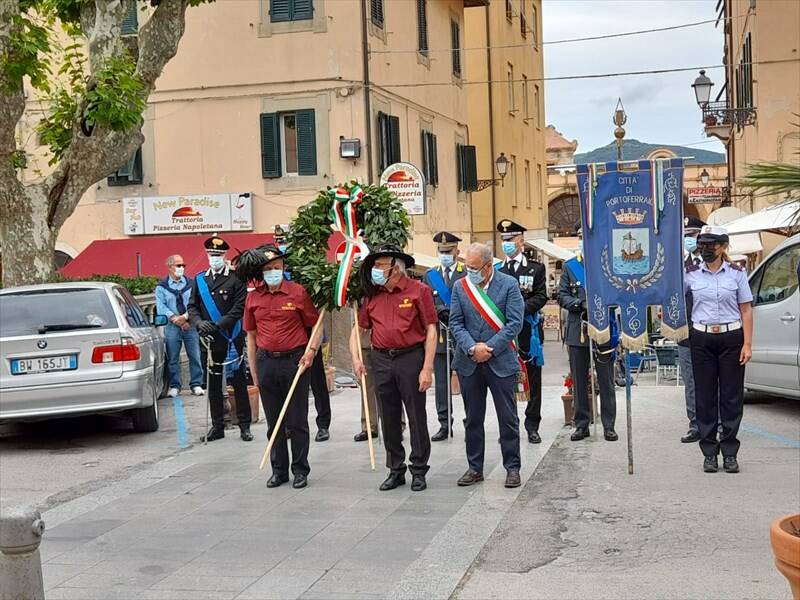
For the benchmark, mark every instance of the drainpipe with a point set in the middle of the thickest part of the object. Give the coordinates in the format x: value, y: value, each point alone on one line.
x: 487, y: 10
x: 367, y: 90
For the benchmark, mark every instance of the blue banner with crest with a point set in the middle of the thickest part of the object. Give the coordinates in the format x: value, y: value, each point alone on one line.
x: 632, y: 220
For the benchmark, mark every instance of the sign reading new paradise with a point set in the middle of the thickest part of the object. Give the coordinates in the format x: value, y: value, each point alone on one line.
x: 632, y: 221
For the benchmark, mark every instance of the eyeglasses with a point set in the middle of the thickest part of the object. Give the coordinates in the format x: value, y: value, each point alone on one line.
x: 179, y: 265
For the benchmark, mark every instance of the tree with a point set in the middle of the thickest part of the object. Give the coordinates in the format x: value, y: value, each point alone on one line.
x: 95, y: 89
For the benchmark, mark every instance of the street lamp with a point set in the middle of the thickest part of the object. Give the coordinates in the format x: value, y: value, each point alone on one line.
x: 501, y: 164
x: 702, y: 89
x: 704, y: 177
x: 620, y: 118
x: 718, y: 116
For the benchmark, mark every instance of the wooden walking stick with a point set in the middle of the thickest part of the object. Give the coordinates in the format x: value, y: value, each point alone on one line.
x: 364, y: 399
x: 300, y: 371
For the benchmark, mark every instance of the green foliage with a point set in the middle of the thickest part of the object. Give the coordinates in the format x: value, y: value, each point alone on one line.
x: 136, y: 285
x: 28, y: 44
x: 55, y: 129
x: 117, y: 99
x: 19, y: 160
x: 380, y: 215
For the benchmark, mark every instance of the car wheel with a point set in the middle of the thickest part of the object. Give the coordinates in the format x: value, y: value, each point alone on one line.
x: 145, y: 420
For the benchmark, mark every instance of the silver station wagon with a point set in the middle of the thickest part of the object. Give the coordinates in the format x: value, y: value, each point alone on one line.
x: 78, y: 348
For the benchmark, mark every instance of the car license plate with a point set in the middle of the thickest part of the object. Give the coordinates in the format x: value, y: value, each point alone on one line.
x: 47, y: 364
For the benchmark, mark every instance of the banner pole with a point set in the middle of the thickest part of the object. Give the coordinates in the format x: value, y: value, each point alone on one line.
x: 628, y: 409
x: 364, y: 398
x: 449, y: 386
x: 208, y: 341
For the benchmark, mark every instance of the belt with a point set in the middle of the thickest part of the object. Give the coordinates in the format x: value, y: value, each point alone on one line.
x: 294, y: 352
x: 722, y: 328
x: 392, y: 352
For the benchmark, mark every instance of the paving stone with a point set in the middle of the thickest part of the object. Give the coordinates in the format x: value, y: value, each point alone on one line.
x: 282, y: 584
x: 208, y: 583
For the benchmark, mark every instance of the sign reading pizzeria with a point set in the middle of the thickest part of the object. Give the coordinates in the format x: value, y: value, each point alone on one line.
x: 408, y: 184
x: 187, y: 214
x: 705, y: 195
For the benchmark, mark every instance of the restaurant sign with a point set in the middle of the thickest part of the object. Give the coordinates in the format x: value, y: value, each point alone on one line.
x: 408, y: 184
x: 705, y: 195
x: 187, y: 214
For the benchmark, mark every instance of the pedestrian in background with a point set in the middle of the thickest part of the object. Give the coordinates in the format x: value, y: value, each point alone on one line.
x: 322, y: 397
x: 721, y: 338
x: 172, y: 298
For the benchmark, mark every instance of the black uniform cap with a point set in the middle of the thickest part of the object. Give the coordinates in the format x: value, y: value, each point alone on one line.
x: 216, y: 245
x: 692, y: 224
x: 509, y: 229
x: 446, y: 240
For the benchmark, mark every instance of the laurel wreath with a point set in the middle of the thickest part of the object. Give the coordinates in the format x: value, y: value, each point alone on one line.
x: 634, y: 285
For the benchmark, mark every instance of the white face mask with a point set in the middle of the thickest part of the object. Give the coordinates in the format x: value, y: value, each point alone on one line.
x: 179, y: 271
x: 216, y: 262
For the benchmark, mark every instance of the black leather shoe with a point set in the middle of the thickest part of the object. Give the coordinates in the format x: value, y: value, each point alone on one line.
x: 579, y: 434
x: 418, y: 483
x: 470, y: 478
x: 440, y: 435
x: 710, y: 464
x: 362, y: 436
x: 300, y: 481
x: 691, y: 436
x: 513, y: 480
x: 244, y: 433
x: 534, y: 437
x: 730, y: 464
x: 215, y: 433
x: 392, y: 481
x: 277, y: 480
x: 610, y: 435
x: 322, y: 435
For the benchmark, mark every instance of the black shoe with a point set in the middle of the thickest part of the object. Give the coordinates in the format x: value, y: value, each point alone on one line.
x: 393, y: 481
x: 418, y: 483
x: 322, y: 435
x: 300, y: 481
x: 710, y: 464
x: 215, y: 433
x: 440, y: 435
x: 534, y: 437
x: 277, y: 480
x: 362, y: 436
x: 691, y: 436
x: 730, y: 464
x: 513, y: 479
x: 244, y: 433
x: 470, y: 478
x: 579, y: 434
x: 610, y: 435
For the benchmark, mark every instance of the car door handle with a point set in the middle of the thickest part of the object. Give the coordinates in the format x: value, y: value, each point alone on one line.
x: 788, y: 318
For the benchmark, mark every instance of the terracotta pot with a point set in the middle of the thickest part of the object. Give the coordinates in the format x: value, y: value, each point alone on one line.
x: 255, y: 403
x: 569, y: 411
x: 784, y: 535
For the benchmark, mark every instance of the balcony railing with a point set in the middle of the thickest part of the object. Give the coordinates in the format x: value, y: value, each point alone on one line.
x: 720, y: 114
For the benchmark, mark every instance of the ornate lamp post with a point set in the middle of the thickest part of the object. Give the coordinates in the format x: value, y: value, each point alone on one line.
x: 620, y: 118
x: 718, y: 116
x: 501, y: 164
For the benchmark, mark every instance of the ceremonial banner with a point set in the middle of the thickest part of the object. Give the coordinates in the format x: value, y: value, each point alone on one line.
x: 632, y: 221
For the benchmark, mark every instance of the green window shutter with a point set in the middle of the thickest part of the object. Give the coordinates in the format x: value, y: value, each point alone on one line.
x: 383, y: 141
x: 130, y: 24
x: 455, y: 38
x: 469, y: 168
x: 394, y: 140
x: 280, y: 10
x: 422, y: 26
x: 434, y: 160
x: 460, y: 167
x: 376, y: 11
x: 270, y: 146
x: 426, y: 157
x: 306, y: 143
x: 302, y: 10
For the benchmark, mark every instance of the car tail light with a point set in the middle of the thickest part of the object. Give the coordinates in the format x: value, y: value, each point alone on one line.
x: 127, y: 351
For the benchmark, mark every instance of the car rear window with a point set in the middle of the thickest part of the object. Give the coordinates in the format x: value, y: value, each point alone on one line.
x: 33, y: 312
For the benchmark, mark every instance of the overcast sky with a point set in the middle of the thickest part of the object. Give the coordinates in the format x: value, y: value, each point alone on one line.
x: 660, y: 107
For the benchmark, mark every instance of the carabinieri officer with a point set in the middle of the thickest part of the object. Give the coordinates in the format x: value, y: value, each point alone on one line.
x: 441, y: 280
x: 721, y: 337
x: 401, y: 317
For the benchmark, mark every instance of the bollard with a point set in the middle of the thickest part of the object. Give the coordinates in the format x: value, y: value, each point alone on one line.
x: 21, y: 532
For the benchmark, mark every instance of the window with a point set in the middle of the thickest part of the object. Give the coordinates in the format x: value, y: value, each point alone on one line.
x: 523, y: 24
x: 130, y: 173
x: 509, y: 10
x: 526, y: 105
x: 290, y: 10
x: 510, y: 76
x: 744, y: 76
x: 388, y: 140
x: 535, y: 25
x: 777, y: 281
x: 466, y: 168
x: 430, y: 160
x: 130, y: 24
x: 538, y: 106
x: 130, y: 308
x: 512, y: 171
x: 527, y: 183
x: 455, y: 40
x: 288, y: 144
x: 376, y: 11
x: 539, y: 187
x: 422, y: 26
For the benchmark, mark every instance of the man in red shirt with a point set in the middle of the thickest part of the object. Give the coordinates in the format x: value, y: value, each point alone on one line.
x: 277, y: 316
x: 401, y: 317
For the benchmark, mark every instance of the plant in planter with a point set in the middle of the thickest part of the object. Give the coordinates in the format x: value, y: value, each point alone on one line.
x: 566, y: 398
x: 784, y: 535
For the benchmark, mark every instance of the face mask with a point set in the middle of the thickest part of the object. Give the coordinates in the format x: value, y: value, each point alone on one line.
x: 475, y: 276
x: 179, y: 271
x: 580, y: 247
x: 216, y: 262
x: 509, y: 248
x: 446, y: 260
x: 378, y: 276
x: 273, y: 276
x: 690, y: 244
x: 708, y: 254
x: 282, y: 248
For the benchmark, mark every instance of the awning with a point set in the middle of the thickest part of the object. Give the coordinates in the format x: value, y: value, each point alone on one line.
x: 781, y: 219
x: 745, y: 243
x: 119, y: 257
x: 550, y: 249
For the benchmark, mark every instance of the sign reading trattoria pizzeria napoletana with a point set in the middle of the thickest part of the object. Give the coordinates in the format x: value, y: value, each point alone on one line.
x: 199, y: 213
x: 408, y: 184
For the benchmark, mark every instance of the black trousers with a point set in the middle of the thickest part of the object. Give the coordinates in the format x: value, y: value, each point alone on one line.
x: 440, y: 375
x: 579, y: 366
x: 219, y: 352
x: 275, y: 377
x: 474, y: 388
x: 319, y: 387
x: 396, y: 386
x: 719, y: 389
x: 533, y: 411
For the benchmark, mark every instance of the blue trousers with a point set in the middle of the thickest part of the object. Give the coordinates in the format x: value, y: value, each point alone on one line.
x: 174, y: 337
x: 474, y: 388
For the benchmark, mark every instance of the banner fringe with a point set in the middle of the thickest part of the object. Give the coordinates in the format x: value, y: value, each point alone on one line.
x: 676, y: 335
x: 600, y: 336
x: 635, y: 344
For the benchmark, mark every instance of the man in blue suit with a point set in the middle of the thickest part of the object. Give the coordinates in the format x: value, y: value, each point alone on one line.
x: 486, y: 317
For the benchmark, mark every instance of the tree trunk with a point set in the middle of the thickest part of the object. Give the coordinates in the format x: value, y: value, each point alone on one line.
x: 28, y: 243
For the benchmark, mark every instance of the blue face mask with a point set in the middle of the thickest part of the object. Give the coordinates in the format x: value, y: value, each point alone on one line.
x: 282, y: 248
x: 446, y: 260
x: 579, y: 249
x: 509, y: 248
x: 216, y: 262
x: 273, y: 277
x: 690, y: 244
x: 475, y: 276
x: 378, y: 276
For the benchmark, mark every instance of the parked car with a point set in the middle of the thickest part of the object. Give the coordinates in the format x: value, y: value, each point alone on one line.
x: 77, y: 348
x: 775, y: 366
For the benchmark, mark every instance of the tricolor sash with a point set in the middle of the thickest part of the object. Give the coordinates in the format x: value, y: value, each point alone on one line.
x: 343, y: 214
x: 232, y: 358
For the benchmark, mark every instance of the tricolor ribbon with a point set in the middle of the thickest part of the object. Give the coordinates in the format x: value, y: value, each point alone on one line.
x: 590, y: 196
x: 657, y: 190
x: 343, y: 214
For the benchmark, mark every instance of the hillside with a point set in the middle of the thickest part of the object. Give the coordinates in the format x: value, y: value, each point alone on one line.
x: 634, y: 149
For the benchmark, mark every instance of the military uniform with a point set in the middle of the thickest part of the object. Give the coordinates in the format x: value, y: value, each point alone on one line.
x: 228, y: 294
x: 530, y: 275
x: 441, y: 279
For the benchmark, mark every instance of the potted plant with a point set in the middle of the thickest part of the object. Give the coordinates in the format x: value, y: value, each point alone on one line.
x: 566, y: 398
x: 784, y: 535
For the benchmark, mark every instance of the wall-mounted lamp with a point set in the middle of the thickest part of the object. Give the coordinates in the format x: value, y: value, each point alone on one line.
x: 349, y: 149
x: 704, y: 178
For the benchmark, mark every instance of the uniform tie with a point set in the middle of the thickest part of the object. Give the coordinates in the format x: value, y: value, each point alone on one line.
x: 447, y: 276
